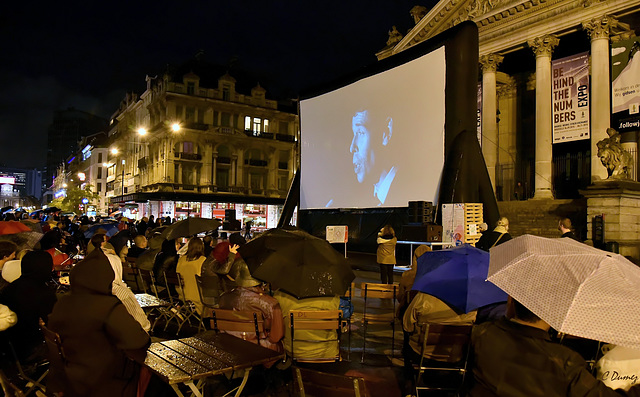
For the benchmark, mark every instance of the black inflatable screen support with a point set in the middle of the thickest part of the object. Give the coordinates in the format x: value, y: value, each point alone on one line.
x: 465, y: 178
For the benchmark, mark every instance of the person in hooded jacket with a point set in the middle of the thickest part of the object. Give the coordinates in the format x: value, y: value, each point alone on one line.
x: 102, y: 342
x: 31, y: 297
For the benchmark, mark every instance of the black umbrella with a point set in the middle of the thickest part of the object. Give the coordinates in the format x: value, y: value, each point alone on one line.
x: 50, y: 210
x: 301, y: 264
x: 257, y: 250
x: 190, y: 227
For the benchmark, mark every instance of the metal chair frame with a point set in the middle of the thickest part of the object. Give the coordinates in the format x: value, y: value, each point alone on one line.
x: 382, y: 292
x: 318, y: 383
x: 452, y: 338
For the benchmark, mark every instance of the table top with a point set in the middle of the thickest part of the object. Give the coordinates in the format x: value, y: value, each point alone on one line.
x: 207, y: 354
x: 148, y: 301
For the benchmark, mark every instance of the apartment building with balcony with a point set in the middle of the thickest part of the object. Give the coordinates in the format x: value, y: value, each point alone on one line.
x: 196, y: 142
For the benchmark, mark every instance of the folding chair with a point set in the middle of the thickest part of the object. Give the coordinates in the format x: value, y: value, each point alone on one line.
x: 54, y: 343
x: 182, y: 309
x: 147, y: 281
x: 315, y: 320
x: 450, y: 342
x: 209, y: 289
x: 234, y: 322
x: 316, y: 383
x: 27, y: 373
x: 382, y: 292
x: 131, y: 273
x: 349, y: 296
x: 9, y: 389
x: 246, y: 321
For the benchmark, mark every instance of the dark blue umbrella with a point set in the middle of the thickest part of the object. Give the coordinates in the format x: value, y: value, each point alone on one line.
x: 110, y: 229
x: 458, y: 276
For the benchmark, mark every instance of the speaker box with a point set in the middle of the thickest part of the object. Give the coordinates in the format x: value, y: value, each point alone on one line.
x: 230, y: 215
x: 421, y: 212
x: 427, y: 233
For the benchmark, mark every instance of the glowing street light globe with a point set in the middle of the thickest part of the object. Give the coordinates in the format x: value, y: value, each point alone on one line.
x: 142, y: 131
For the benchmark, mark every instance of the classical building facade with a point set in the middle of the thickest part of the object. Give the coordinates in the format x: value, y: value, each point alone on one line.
x: 197, y: 137
x: 522, y: 36
x: 518, y: 39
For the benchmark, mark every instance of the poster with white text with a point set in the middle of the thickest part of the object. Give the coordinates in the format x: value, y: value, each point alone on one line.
x: 570, y: 98
x: 625, y: 85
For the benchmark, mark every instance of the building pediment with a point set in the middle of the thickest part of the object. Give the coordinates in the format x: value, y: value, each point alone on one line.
x: 506, y: 25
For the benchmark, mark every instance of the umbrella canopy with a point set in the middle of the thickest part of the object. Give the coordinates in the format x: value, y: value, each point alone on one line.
x: 32, y: 224
x: 110, y: 228
x: 577, y: 289
x: 24, y: 240
x: 257, y: 250
x: 299, y: 263
x: 35, y: 212
x: 50, y: 210
x: 189, y: 227
x: 13, y: 227
x: 457, y: 276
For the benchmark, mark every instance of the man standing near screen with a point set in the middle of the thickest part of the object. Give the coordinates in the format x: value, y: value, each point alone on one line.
x: 375, y: 171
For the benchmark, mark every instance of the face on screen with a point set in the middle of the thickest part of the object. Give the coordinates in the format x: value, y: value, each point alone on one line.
x: 361, y: 148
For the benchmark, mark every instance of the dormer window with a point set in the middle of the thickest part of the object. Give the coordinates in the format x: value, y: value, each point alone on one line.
x: 226, y: 93
x: 191, y: 88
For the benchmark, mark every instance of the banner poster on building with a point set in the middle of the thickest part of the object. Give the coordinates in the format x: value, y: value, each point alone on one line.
x: 570, y: 98
x: 479, y: 115
x: 625, y: 85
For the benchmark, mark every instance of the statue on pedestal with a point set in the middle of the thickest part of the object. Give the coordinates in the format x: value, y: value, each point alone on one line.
x: 613, y: 156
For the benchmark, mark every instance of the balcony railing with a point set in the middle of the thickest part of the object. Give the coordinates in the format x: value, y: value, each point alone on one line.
x: 188, y: 156
x: 285, y: 138
x: 256, y: 163
x: 197, y: 126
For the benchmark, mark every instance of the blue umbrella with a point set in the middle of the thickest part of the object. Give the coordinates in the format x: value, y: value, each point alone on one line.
x: 458, y: 276
x: 110, y: 228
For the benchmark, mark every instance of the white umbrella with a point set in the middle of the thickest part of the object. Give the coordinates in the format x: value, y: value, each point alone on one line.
x: 577, y: 289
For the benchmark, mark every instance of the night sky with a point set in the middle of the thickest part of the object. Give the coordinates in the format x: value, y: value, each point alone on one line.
x: 87, y: 55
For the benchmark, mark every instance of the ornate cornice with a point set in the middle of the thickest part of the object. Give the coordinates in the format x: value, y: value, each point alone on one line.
x: 543, y: 46
x: 490, y: 62
x: 599, y: 28
x: 506, y: 25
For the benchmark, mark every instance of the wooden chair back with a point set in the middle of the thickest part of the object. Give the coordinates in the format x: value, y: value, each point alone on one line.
x: 209, y: 290
x: 130, y: 272
x: 316, y: 383
x: 53, y: 341
x: 238, y: 321
x: 378, y: 315
x: 329, y: 320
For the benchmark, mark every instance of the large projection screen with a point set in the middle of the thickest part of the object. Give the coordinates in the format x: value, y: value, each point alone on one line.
x: 363, y: 144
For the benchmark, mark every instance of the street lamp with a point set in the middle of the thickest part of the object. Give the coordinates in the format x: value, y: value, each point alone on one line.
x: 122, y: 177
x: 142, y: 131
x: 175, y: 127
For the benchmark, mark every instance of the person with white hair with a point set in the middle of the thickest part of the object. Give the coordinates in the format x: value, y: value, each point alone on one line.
x: 497, y: 236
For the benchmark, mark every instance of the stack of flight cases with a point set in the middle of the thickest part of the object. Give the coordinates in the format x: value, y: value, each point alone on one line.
x: 421, y: 226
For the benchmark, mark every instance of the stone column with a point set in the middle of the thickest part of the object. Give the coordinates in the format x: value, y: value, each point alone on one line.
x: 599, y: 29
x: 543, y: 48
x: 214, y: 168
x: 489, y: 64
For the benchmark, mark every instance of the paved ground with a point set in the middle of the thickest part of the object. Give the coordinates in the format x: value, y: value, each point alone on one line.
x: 382, y: 373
